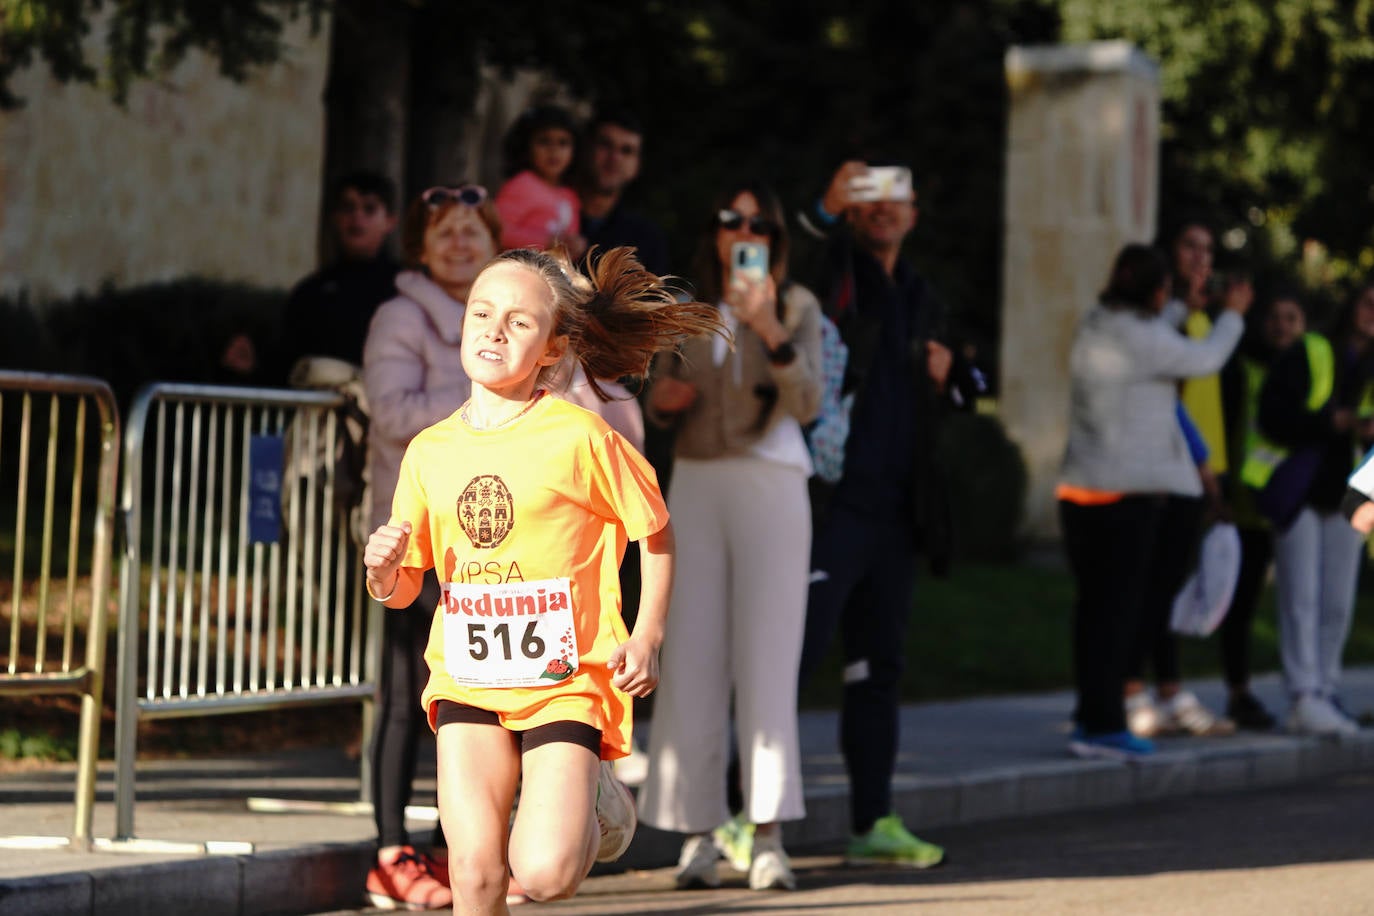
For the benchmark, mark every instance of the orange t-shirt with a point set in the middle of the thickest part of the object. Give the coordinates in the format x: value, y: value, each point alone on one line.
x: 554, y: 495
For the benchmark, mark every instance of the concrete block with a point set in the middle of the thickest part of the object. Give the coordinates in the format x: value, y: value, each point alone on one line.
x: 1365, y: 742
x: 989, y: 795
x: 827, y: 820
x: 1278, y: 765
x: 1105, y: 786
x: 1222, y: 772
x: 307, y: 879
x: 203, y: 885
x: 1169, y: 774
x: 1317, y: 758
x: 1082, y: 151
x: 1053, y: 787
x: 1344, y: 753
x: 923, y: 802
x: 43, y: 895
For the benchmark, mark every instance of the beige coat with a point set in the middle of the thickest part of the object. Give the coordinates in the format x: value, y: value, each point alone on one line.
x: 729, y: 414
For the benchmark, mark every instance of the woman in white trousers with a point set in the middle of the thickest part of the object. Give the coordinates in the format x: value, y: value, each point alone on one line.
x: 742, y: 518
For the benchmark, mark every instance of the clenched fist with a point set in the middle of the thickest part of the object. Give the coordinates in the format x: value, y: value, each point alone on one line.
x: 382, y: 557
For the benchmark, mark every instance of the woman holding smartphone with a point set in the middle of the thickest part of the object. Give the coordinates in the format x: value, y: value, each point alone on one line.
x: 741, y: 513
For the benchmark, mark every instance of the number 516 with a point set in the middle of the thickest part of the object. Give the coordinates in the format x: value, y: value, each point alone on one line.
x: 531, y: 646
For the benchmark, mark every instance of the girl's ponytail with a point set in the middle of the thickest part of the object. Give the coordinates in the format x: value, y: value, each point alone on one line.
x: 628, y: 314
x: 619, y: 315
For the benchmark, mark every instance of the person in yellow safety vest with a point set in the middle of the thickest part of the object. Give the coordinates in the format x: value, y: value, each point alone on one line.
x: 1315, y: 407
x: 1281, y: 323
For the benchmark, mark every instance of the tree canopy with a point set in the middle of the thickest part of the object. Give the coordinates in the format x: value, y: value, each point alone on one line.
x: 143, y: 38
x: 1265, y: 124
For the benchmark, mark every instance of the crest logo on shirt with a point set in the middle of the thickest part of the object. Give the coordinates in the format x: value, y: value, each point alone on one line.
x: 486, y: 510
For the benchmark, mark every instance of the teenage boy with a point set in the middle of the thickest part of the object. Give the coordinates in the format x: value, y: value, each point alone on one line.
x: 329, y: 311
x: 887, y: 504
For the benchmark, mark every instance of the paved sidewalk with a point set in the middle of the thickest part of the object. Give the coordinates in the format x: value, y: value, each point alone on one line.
x: 960, y: 762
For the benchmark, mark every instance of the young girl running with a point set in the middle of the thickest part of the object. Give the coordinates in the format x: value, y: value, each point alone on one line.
x: 524, y: 504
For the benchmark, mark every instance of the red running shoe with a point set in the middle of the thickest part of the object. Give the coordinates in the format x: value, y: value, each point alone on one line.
x: 406, y: 883
x: 436, y: 868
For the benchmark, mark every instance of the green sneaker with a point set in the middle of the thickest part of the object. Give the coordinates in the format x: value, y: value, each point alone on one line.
x: 890, y: 843
x: 735, y: 840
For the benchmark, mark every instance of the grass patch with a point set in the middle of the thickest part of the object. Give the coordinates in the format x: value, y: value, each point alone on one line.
x: 17, y: 745
x: 990, y: 629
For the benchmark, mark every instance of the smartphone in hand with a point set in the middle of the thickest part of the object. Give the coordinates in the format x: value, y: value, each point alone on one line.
x: 881, y: 182
x: 748, y: 261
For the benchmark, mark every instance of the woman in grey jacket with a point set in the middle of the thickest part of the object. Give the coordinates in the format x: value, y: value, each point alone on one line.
x: 1126, y: 451
x: 414, y: 379
x: 741, y: 514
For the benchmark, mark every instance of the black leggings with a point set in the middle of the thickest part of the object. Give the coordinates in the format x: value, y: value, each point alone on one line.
x: 1256, y: 550
x: 867, y: 598
x: 1171, y: 562
x: 399, y: 718
x: 563, y: 731
x: 1108, y: 549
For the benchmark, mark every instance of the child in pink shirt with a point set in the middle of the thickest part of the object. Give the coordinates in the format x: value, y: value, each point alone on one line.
x: 537, y: 208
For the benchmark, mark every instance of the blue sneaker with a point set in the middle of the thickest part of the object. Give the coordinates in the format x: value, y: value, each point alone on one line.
x: 1120, y: 745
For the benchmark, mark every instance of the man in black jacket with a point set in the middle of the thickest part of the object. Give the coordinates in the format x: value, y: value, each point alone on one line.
x: 617, y: 143
x: 889, y: 503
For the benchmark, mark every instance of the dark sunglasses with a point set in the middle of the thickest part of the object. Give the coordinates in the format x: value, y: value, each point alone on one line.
x: 758, y: 225
x: 469, y: 195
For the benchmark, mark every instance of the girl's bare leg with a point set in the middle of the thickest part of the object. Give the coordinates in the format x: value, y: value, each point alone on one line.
x: 554, y: 842
x: 478, y: 770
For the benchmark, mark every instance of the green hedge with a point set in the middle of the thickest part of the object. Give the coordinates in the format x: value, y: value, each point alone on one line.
x: 987, y: 479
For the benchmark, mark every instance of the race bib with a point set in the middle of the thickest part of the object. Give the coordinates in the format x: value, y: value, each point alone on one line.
x: 516, y: 634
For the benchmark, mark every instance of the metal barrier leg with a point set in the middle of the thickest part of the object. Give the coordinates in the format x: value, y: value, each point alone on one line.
x: 60, y: 674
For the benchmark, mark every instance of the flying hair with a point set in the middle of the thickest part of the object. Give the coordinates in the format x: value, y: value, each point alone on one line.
x: 619, y: 314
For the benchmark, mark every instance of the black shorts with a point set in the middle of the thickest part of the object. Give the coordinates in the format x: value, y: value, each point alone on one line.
x: 569, y: 732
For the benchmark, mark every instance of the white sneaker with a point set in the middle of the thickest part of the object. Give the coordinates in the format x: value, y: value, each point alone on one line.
x: 1312, y: 715
x: 1142, y: 718
x: 1184, y: 712
x: 770, y: 870
x: 696, y: 865
x: 634, y: 769
x: 615, y: 814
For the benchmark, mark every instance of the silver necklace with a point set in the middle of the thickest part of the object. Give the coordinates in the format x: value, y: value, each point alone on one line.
x: 467, y: 418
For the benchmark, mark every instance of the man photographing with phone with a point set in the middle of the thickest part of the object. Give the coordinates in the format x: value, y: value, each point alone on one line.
x: 888, y: 504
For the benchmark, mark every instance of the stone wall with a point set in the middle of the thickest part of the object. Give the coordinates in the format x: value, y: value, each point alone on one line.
x: 196, y: 176
x: 1081, y: 181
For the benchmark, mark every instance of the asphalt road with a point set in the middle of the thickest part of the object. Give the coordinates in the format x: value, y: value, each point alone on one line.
x: 1303, y: 850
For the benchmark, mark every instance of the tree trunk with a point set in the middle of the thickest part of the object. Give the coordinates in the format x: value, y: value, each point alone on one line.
x: 444, y: 85
x: 366, y: 97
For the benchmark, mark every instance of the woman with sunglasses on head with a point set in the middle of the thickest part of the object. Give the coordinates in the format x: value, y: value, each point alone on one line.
x: 742, y: 517
x: 414, y: 378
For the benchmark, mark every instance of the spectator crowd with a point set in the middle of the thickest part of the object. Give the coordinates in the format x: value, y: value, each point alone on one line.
x: 791, y: 427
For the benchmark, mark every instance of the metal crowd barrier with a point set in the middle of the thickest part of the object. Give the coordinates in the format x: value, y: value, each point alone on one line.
x: 240, y: 590
x: 54, y: 631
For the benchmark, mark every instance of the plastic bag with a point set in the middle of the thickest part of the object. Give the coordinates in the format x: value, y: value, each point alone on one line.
x: 1202, y: 602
